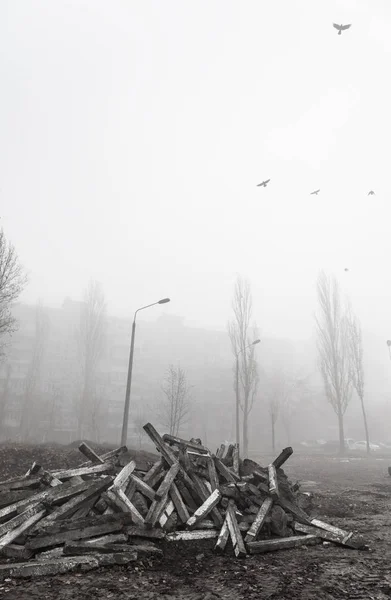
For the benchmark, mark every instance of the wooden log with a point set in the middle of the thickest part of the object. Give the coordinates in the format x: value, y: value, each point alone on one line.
x: 32, y: 516
x: 230, y: 451
x: 68, y: 473
x: 282, y: 457
x: 90, y: 454
x: 145, y: 489
x: 172, y: 440
x: 49, y: 480
x: 205, y: 524
x: 331, y: 528
x: 223, y: 537
x: 20, y: 483
x: 220, y: 451
x: 111, y: 538
x: 17, y: 551
x: 52, y: 566
x: 263, y: 477
x: 123, y: 477
x: 204, y: 494
x: 192, y: 535
x: 21, y: 518
x: 49, y: 554
x: 204, y: 509
x: 224, y: 471
x: 259, y: 520
x: 168, y: 480
x: 180, y: 506
x: 294, y: 510
x: 108, y: 456
x: 234, y: 531
x: 33, y: 470
x: 186, y: 495
x: 213, y: 478
x: 343, y: 540
x: 7, y: 498
x: 158, y: 441
x: 72, y: 505
x: 273, y: 481
x: 86, y: 508
x: 157, y: 506
x: 235, y: 459
x: 155, y: 473
x: 282, y: 543
x: 118, y: 499
x: 165, y: 514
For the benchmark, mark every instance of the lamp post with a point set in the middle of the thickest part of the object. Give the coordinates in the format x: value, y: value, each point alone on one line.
x: 389, y: 347
x: 125, y: 420
x: 237, y: 387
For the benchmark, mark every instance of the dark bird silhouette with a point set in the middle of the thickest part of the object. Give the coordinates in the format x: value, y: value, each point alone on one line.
x: 341, y: 28
x: 371, y: 193
x: 346, y: 269
x: 264, y: 183
x: 315, y: 193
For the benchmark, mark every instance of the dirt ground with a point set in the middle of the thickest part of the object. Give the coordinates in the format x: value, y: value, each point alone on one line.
x: 353, y: 494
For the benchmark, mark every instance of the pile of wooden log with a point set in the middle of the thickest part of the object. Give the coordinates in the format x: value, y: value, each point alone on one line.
x: 107, y: 512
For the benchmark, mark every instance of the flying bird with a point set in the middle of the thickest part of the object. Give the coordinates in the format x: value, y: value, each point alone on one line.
x: 341, y: 28
x: 346, y: 269
x: 264, y: 183
x: 315, y: 193
x: 371, y: 193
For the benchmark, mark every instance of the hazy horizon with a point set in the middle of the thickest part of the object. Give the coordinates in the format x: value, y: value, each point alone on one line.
x: 134, y: 135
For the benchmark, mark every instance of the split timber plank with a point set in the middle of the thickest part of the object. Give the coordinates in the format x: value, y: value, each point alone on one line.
x: 17, y: 551
x: 113, y: 538
x: 90, y: 454
x: 155, y: 473
x: 220, y: 451
x: 168, y: 480
x: 118, y: 499
x: 204, y: 509
x: 130, y: 490
x: 204, y: 494
x: 68, y: 473
x: 186, y: 495
x: 52, y: 566
x: 86, y: 508
x: 180, y: 506
x: 205, y: 524
x: 234, y: 531
x: 144, y: 488
x: 49, y: 479
x: 80, y: 548
x: 273, y: 481
x: 294, y: 510
x: 33, y: 470
x: 7, y: 498
x: 157, y: 506
x: 107, y: 456
x: 259, y: 520
x: 235, y: 459
x: 16, y: 521
x: 213, y: 478
x: 330, y: 528
x: 122, y: 479
x: 282, y: 543
x: 13, y: 534
x: 223, y: 537
x: 260, y: 475
x: 53, y: 553
x: 118, y: 521
x: 172, y: 440
x: 282, y: 457
x: 166, y: 513
x: 326, y: 535
x: 192, y: 535
x: 72, y: 505
x: 225, y: 472
x: 20, y: 483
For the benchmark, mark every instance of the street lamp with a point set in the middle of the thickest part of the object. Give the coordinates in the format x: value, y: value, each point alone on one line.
x: 125, y: 420
x: 389, y: 347
x: 237, y: 387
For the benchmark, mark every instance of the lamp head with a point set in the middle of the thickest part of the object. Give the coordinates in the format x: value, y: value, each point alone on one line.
x: 164, y: 301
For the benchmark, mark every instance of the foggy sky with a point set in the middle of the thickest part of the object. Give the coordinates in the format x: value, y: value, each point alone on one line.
x: 133, y: 135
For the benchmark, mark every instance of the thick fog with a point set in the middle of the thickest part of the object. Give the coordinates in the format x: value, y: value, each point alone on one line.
x: 133, y: 139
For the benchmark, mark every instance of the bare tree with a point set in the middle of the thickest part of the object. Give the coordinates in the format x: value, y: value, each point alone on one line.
x: 242, y: 334
x: 356, y: 365
x: 92, y: 337
x: 333, y: 348
x: 177, y: 397
x: 12, y: 283
x: 33, y: 380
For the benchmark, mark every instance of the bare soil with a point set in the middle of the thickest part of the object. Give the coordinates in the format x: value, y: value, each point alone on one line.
x: 353, y: 494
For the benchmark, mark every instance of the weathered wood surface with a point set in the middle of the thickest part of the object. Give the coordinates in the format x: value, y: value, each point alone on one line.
x: 223, y: 537
x: 330, y: 528
x: 199, y: 534
x: 234, y: 531
x: 282, y: 457
x: 273, y: 481
x: 235, y: 459
x: 144, y: 488
x: 122, y: 479
x: 68, y: 473
x: 119, y: 500
x: 343, y: 540
x: 151, y: 534
x: 31, y: 517
x: 172, y: 440
x: 20, y: 483
x: 179, y: 504
x: 204, y: 509
x: 225, y: 472
x: 90, y: 454
x: 259, y: 520
x: 282, y: 543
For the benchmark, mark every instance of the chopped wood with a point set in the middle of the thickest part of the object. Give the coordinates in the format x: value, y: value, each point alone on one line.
x: 144, y: 488
x: 152, y: 534
x: 17, y: 551
x: 259, y: 520
x: 180, y: 506
x: 343, y: 540
x: 68, y: 473
x: 199, y: 534
x: 155, y: 473
x: 86, y: 508
x: 223, y: 537
x: 163, y: 448
x: 168, y: 480
x: 20, y: 483
x: 273, y: 481
x: 7, y: 498
x: 282, y: 457
x: 172, y: 440
x: 234, y: 531
x: 90, y: 454
x: 204, y: 509
x: 33, y: 470
x: 122, y: 479
x: 213, y: 477
x: 113, y: 538
x: 53, y: 553
x: 49, y: 479
x: 282, y: 543
x: 204, y: 494
x: 19, y: 519
x: 225, y: 472
x: 330, y: 528
x: 220, y: 451
x: 205, y: 524
x: 297, y: 512
x: 168, y: 509
x: 118, y: 499
x: 28, y: 522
